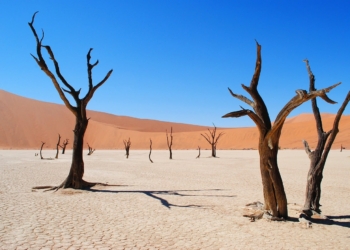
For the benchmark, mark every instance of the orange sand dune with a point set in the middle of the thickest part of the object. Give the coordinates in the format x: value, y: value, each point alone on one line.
x: 26, y: 122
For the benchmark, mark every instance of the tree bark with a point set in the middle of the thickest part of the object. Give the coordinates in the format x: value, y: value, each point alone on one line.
x: 269, y: 135
x: 76, y: 173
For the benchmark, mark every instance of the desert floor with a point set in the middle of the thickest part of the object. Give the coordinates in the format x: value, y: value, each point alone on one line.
x: 184, y: 203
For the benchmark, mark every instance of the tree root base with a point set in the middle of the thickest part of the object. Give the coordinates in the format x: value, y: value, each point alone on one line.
x: 255, y: 211
x: 85, y: 186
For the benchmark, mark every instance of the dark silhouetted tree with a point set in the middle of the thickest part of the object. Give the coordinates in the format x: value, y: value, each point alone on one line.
x: 90, y: 150
x: 75, y: 176
x: 212, y: 138
x: 64, y: 145
x: 127, y: 144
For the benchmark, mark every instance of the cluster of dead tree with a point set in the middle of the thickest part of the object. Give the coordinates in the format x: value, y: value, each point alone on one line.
x: 275, y: 199
x: 212, y: 138
x: 63, y: 146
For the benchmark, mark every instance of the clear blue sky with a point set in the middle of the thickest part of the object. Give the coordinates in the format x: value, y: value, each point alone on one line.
x: 173, y: 60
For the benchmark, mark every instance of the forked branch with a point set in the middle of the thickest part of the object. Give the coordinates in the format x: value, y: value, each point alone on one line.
x: 301, y: 97
x: 42, y: 64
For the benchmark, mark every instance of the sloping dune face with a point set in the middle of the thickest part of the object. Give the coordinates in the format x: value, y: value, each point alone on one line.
x: 25, y: 123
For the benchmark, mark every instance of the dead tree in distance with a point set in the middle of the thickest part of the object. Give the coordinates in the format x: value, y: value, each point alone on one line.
x: 199, y: 152
x: 75, y: 176
x: 58, y: 145
x: 90, y: 149
x: 170, y: 142
x: 150, y: 150
x: 273, y: 189
x: 41, y: 148
x: 319, y: 156
x: 41, y: 156
x: 64, y: 145
x: 341, y: 147
x: 127, y: 144
x: 212, y: 139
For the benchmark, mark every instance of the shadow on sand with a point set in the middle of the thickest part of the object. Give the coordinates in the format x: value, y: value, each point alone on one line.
x: 164, y: 202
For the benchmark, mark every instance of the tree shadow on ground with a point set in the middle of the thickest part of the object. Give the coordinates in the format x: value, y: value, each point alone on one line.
x: 330, y: 221
x: 164, y: 202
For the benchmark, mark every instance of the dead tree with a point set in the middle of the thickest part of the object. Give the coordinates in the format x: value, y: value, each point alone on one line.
x: 41, y: 148
x: 170, y: 142
x: 41, y: 156
x: 58, y: 145
x: 150, y: 150
x: 318, y: 157
x: 75, y: 176
x: 199, y: 152
x: 127, y: 144
x: 273, y: 189
x: 212, y: 139
x: 90, y: 149
x: 64, y: 145
x: 341, y: 147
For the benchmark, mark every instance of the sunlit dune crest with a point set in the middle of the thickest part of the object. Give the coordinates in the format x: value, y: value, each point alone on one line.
x: 25, y: 123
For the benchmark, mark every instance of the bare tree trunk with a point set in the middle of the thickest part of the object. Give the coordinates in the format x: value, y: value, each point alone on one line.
x: 199, y: 152
x: 212, y: 139
x: 58, y: 145
x: 319, y: 156
x: 150, y: 150
x: 273, y: 189
x: 76, y: 173
x: 41, y: 148
x: 170, y: 143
